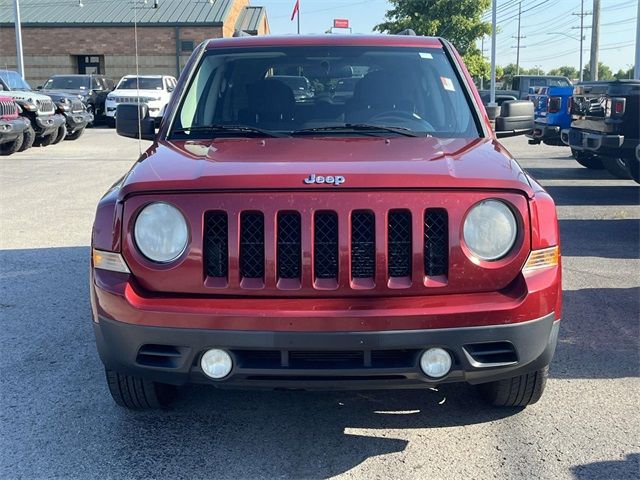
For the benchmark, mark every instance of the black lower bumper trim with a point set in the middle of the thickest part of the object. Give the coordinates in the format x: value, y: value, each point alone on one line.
x: 44, y: 125
x: 171, y: 355
x: 76, y: 121
x: 12, y: 129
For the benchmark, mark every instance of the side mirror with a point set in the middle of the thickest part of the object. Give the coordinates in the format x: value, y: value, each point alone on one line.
x: 170, y: 89
x: 515, y: 118
x: 39, y: 87
x: 133, y: 121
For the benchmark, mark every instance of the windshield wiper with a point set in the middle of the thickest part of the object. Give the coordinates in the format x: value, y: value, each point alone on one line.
x: 229, y: 128
x: 360, y: 127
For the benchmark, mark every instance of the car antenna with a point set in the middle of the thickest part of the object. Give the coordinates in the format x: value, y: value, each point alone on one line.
x: 135, y: 41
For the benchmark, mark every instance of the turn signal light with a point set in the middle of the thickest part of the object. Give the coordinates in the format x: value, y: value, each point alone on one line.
x: 545, y: 258
x: 109, y: 261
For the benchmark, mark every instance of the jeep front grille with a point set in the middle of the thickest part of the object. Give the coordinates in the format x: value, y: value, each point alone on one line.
x: 45, y: 107
x: 7, y: 108
x: 325, y: 244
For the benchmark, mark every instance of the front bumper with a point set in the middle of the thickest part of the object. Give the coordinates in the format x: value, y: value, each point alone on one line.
x: 327, y: 344
x: 47, y: 124
x: 333, y: 360
x: 12, y: 129
x: 547, y: 134
x: 77, y: 121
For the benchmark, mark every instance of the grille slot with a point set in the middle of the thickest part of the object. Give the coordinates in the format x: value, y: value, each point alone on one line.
x: 491, y: 353
x: 328, y: 359
x: 45, y: 106
x: 7, y: 108
x: 216, y: 244
x: 325, y: 260
x: 363, y: 245
x: 289, y: 245
x: 399, y: 243
x: 436, y: 242
x: 252, y: 245
x: 163, y: 356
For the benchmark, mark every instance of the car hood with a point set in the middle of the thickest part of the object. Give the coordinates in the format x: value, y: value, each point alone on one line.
x: 365, y: 163
x: 26, y: 95
x: 133, y: 93
x: 72, y: 92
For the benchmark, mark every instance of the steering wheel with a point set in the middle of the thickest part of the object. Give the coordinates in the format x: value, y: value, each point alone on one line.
x: 391, y: 117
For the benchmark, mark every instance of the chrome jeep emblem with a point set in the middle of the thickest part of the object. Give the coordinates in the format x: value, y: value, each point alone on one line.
x: 319, y: 179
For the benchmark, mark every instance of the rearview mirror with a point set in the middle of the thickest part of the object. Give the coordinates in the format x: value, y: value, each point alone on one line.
x: 515, y: 118
x: 133, y: 121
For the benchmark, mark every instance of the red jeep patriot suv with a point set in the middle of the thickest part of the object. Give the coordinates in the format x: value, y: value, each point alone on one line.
x: 377, y: 239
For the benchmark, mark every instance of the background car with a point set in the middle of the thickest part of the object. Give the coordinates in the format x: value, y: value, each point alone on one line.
x: 44, y: 123
x: 152, y: 90
x: 12, y: 126
x: 91, y: 89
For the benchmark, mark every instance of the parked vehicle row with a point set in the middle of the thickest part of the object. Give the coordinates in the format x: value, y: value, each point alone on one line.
x: 152, y: 90
x: 46, y: 119
x: 599, y: 121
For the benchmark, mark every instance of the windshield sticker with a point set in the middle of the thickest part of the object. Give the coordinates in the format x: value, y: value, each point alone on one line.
x: 447, y: 84
x: 426, y: 55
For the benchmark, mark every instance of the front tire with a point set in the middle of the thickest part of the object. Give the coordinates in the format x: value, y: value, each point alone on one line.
x: 616, y: 167
x: 46, y: 140
x: 137, y: 393
x: 587, y: 160
x: 517, y: 391
x: 28, y: 138
x: 11, y: 147
x: 62, y: 133
x: 75, y: 135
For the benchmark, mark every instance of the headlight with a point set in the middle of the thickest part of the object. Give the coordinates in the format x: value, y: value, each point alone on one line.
x: 161, y: 232
x: 490, y: 230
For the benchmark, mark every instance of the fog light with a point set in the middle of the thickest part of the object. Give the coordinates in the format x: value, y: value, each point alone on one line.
x: 435, y: 362
x: 216, y: 363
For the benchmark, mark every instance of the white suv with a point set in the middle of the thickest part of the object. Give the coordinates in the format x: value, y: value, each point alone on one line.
x: 154, y: 90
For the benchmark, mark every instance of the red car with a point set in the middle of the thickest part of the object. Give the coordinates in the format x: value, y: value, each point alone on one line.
x: 12, y: 126
x: 385, y: 240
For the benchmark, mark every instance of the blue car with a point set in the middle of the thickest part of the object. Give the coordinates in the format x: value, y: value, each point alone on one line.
x: 552, y: 112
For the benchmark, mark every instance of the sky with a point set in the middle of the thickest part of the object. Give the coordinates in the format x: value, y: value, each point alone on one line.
x: 546, y: 24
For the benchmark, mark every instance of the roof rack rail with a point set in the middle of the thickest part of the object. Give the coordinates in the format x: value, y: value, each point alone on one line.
x: 407, y: 31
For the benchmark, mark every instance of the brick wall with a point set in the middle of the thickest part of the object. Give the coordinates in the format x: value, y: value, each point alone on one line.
x: 44, y: 47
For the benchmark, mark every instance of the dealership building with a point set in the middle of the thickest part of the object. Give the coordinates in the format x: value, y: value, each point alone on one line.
x: 97, y: 36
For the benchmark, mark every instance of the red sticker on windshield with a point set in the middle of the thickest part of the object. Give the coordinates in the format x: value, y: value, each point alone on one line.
x: 447, y: 84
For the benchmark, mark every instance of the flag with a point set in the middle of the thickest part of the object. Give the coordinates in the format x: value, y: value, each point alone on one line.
x: 296, y: 10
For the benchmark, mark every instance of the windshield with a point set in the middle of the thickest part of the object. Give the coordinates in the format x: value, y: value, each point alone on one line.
x: 67, y: 83
x: 14, y: 81
x: 145, y: 83
x: 414, y: 89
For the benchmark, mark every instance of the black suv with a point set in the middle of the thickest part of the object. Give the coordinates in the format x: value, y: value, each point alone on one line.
x: 606, y: 123
x: 91, y: 89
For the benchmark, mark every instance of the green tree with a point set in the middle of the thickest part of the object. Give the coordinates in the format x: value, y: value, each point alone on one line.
x: 624, y: 74
x: 458, y: 21
x: 565, y: 71
x: 604, y: 72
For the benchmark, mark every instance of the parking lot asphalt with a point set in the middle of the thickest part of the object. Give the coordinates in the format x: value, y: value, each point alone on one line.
x: 58, y: 420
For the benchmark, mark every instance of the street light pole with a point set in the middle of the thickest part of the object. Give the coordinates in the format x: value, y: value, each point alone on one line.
x: 581, y: 34
x: 492, y: 88
x: 19, y: 56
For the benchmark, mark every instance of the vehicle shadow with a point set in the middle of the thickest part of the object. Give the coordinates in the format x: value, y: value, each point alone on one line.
x: 595, y: 194
x: 611, y: 238
x: 569, y: 173
x: 618, y: 469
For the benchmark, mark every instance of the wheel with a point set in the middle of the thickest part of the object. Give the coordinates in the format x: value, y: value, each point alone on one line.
x: 46, y: 140
x: 137, y: 393
x: 75, y: 135
x: 616, y: 167
x: 11, y: 147
x: 587, y: 160
x: 91, y: 110
x: 517, y: 391
x: 28, y: 138
x: 62, y: 133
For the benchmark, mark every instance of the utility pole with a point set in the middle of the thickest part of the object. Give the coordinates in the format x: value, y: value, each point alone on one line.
x: 482, y: 52
x: 518, y: 37
x: 636, y: 73
x: 595, y: 38
x: 582, y: 27
x: 492, y: 91
x: 19, y: 55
